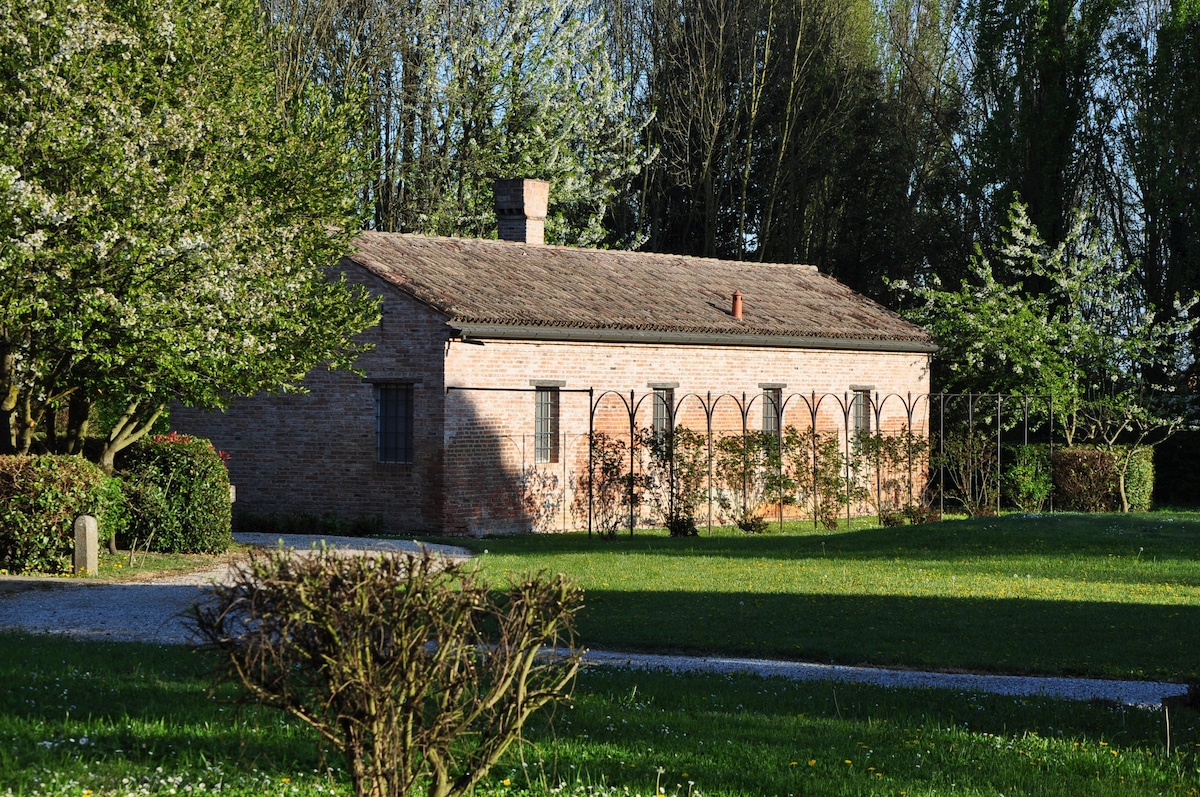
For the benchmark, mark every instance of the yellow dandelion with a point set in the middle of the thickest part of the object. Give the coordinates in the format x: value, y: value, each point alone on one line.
x: 812, y: 762
x: 506, y: 782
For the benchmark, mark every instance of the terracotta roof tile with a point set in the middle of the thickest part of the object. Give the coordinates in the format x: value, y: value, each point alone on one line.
x: 500, y: 282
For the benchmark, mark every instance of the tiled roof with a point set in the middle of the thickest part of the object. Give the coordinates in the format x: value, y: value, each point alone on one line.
x: 504, y: 283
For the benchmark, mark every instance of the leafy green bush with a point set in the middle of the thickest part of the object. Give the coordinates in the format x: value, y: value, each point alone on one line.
x: 892, y: 468
x: 177, y: 489
x: 1087, y: 479
x: 40, y: 497
x: 675, y: 478
x: 1028, y: 479
x: 749, y: 471
x: 1084, y: 480
x: 605, y: 486
x: 1139, y: 480
x: 820, y: 467
x: 967, y: 460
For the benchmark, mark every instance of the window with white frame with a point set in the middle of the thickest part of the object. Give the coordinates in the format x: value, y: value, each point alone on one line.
x: 545, y: 424
x: 394, y: 423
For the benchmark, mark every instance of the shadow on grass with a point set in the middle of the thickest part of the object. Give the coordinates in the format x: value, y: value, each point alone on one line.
x: 1165, y: 536
x: 1104, y: 640
x: 749, y: 736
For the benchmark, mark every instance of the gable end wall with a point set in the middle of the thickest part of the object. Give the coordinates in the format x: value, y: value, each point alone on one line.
x: 315, y: 453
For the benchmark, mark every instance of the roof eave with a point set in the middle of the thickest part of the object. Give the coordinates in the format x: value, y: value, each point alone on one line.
x: 481, y: 331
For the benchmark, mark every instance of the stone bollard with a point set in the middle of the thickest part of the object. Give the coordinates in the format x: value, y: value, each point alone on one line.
x: 87, y: 560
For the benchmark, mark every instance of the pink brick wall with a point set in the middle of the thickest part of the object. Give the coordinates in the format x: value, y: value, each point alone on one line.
x: 316, y: 453
x: 725, y: 376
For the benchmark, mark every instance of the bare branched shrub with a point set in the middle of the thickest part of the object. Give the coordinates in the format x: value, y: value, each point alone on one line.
x: 415, y: 669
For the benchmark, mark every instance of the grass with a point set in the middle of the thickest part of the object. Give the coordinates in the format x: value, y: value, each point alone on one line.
x: 1114, y: 596
x: 1095, y: 595
x: 126, y: 566
x: 116, y: 719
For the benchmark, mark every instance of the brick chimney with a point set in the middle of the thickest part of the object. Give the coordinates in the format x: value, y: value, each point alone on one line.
x: 521, y: 210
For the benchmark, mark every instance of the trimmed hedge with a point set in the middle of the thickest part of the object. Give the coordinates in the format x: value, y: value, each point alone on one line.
x: 177, y: 489
x: 1086, y: 480
x: 1139, y: 481
x: 40, y: 497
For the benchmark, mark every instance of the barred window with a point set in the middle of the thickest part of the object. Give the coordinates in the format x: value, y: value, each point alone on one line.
x: 664, y: 407
x: 394, y: 423
x: 771, y: 404
x: 861, y: 413
x: 545, y: 425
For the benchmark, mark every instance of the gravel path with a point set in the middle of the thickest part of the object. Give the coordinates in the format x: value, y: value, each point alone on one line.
x: 152, y: 612
x: 147, y: 611
x: 1143, y: 694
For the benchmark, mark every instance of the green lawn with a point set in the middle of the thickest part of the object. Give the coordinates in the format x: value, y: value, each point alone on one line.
x: 117, y: 719
x: 1105, y: 596
x: 142, y: 565
x: 1097, y: 595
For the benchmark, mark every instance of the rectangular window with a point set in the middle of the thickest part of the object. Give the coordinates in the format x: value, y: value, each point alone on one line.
x: 861, y: 411
x: 772, y: 401
x: 394, y: 423
x: 664, y: 409
x: 545, y: 425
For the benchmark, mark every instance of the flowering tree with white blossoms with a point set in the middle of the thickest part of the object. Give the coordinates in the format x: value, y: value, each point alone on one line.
x: 167, y: 219
x: 1090, y: 341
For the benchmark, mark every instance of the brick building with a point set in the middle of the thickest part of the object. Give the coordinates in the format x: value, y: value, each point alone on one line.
x: 494, y: 358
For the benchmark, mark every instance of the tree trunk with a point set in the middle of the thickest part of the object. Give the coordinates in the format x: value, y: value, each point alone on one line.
x: 130, y: 428
x: 79, y: 410
x: 1121, y: 490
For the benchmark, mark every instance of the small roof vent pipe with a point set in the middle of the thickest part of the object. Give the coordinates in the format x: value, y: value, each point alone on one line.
x: 737, y: 305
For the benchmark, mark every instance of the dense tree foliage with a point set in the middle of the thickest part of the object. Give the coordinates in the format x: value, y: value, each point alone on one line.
x: 873, y: 139
x: 167, y: 218
x: 1110, y: 366
x: 181, y: 192
x: 454, y: 95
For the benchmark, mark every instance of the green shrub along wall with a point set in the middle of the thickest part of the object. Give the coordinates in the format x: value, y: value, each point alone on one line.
x: 1086, y: 480
x: 177, y: 491
x: 40, y: 497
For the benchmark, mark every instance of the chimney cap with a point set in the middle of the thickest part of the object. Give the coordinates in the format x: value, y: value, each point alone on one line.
x: 736, y: 310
